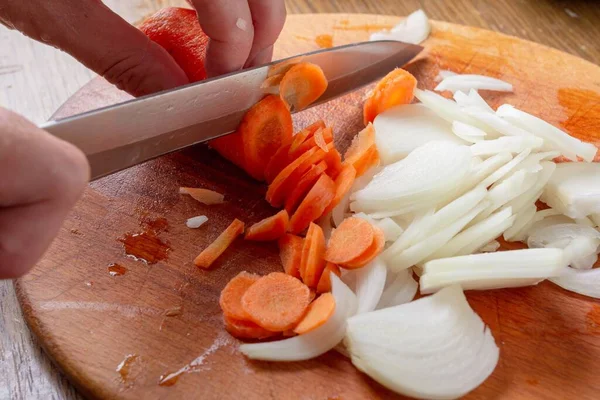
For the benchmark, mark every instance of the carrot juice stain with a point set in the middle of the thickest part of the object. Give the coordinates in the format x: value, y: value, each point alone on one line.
x: 124, y: 368
x: 592, y: 320
x: 116, y: 269
x: 324, y: 41
x: 146, y: 246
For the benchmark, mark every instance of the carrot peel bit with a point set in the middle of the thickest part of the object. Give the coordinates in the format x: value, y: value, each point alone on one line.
x: 271, y: 228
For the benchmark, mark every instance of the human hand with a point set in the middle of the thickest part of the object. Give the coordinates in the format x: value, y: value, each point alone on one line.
x: 41, y: 178
x: 242, y: 34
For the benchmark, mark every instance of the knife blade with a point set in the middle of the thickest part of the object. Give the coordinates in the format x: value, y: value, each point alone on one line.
x: 125, y: 134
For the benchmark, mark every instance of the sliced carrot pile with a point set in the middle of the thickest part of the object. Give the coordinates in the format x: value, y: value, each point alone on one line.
x: 312, y: 263
x: 243, y: 329
x: 306, y: 133
x: 343, y: 184
x: 205, y: 196
x: 350, y: 240
x: 264, y: 128
x: 320, y: 140
x: 319, y: 311
x: 276, y: 301
x: 231, y: 295
x: 271, y: 84
x: 369, y: 255
x: 302, y: 85
x: 324, y: 284
x: 277, y: 163
x: 281, y: 67
x: 303, y: 185
x: 394, y: 89
x: 218, y: 247
x: 290, y: 253
x: 362, y: 153
x: 333, y: 158
x: 310, y: 142
x: 313, y: 205
x: 271, y: 228
x: 280, y: 185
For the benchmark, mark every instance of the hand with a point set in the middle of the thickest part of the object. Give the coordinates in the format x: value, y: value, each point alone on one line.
x: 41, y: 178
x: 242, y: 34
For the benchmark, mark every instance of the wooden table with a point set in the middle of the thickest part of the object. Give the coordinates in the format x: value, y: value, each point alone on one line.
x: 36, y: 89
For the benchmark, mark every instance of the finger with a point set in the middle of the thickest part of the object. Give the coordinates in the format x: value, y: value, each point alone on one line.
x: 228, y: 24
x: 101, y: 40
x: 268, y: 17
x: 41, y: 178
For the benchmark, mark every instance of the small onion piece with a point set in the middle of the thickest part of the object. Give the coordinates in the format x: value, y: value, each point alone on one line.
x: 370, y: 281
x: 316, y: 342
x: 533, y: 193
x: 401, y: 290
x: 196, y: 222
x: 595, y: 219
x: 585, y: 282
x: 413, y: 29
x: 409, y: 236
x: 492, y: 246
x: 433, y: 348
x: 445, y: 108
x: 467, y: 132
x: 467, y: 82
x: 523, y: 220
x: 391, y: 229
x: 444, y: 73
x: 505, y: 169
x: 510, y: 144
x: 473, y: 99
x: 495, y: 122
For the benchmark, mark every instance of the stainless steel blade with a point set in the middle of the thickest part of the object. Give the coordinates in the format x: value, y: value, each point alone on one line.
x: 129, y: 133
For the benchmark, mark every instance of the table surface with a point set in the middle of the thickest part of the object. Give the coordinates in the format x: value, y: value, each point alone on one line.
x: 36, y: 89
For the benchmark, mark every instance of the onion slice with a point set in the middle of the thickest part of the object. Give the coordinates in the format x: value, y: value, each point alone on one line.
x: 433, y: 348
x: 467, y: 132
x: 586, y: 283
x: 473, y: 99
x: 413, y: 29
x: 510, y: 144
x: 196, y: 222
x: 370, y: 281
x: 316, y: 342
x: 402, y: 290
x: 467, y: 82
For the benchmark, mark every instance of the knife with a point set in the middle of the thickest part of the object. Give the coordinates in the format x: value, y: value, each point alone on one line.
x: 123, y: 135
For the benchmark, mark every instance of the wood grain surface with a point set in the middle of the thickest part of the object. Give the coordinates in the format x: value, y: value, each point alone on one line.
x: 36, y: 89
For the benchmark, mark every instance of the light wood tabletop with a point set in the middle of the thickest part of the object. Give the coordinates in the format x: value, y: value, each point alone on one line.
x: 36, y: 79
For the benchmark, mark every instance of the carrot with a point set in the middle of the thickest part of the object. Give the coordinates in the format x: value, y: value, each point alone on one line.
x: 216, y: 248
x: 231, y: 295
x: 302, y: 85
x: 373, y: 251
x: 264, y: 128
x: 350, y: 240
x: 333, y: 159
x: 370, y: 159
x: 306, y: 133
x: 394, y: 89
x: 343, y: 184
x: 320, y: 140
x: 313, y: 205
x: 312, y: 295
x: 271, y: 84
x: 243, y: 329
x: 303, y: 186
x: 276, y: 301
x: 324, y: 284
x: 205, y: 196
x: 271, y: 228
x: 277, y: 163
x: 290, y: 253
x: 312, y: 263
x: 319, y: 311
x: 360, y: 153
x: 281, y: 67
x: 309, y: 143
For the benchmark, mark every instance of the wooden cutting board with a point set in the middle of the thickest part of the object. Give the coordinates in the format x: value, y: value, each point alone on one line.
x: 115, y: 335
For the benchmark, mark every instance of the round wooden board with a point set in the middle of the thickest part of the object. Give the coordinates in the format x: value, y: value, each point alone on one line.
x: 89, y: 321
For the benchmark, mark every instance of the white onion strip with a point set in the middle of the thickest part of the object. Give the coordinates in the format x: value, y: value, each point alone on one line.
x: 586, y: 283
x: 413, y: 29
x: 402, y: 290
x: 370, y: 281
x: 468, y: 82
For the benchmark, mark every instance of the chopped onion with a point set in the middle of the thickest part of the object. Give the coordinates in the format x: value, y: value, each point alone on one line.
x: 391, y: 230
x: 445, y: 108
x: 401, y: 290
x: 325, y: 223
x: 401, y: 129
x: 494, y: 122
x: 467, y: 132
x: 574, y: 189
x: 196, y: 222
x: 585, y: 221
x: 370, y: 281
x: 595, y: 219
x: 473, y: 99
x: 339, y: 212
x: 433, y: 348
x: 531, y: 195
x: 316, y: 342
x: 481, y: 172
x: 493, y: 270
x: 442, y: 74
x: 512, y: 187
x: 413, y: 29
x: 523, y: 220
x: 490, y: 247
x: 586, y: 283
x: 505, y: 169
x: 468, y: 82
x: 510, y: 144
x: 409, y: 236
x: 569, y: 146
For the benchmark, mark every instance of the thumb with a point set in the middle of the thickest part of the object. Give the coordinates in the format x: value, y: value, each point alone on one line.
x: 101, y: 40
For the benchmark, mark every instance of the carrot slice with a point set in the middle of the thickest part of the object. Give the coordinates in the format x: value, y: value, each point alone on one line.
x: 395, y: 88
x: 281, y: 67
x: 216, y: 248
x: 324, y: 284
x: 360, y: 153
x: 369, y: 255
x: 309, y: 143
x: 312, y: 295
x: 313, y: 251
x: 313, y: 205
x: 350, y: 240
x: 277, y: 163
x: 205, y: 196
x: 231, y: 295
x: 302, y: 85
x: 343, y: 184
x: 271, y: 228
x: 276, y: 301
x: 320, y: 140
x: 264, y: 128
x: 306, y: 133
x: 290, y: 253
x: 243, y: 329
x: 333, y: 158
x: 319, y: 311
x: 303, y: 186
x: 368, y: 160
x: 271, y: 84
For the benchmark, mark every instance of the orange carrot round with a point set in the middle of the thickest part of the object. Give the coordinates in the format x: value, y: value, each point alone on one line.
x: 277, y: 163
x: 271, y: 228
x: 343, y: 184
x: 324, y: 284
x: 231, y: 295
x: 369, y: 255
x: 302, y: 85
x: 243, y: 329
x: 310, y: 142
x: 350, y: 240
x: 319, y: 311
x: 305, y: 134
x: 276, y: 301
x: 303, y: 186
x: 221, y: 243
x: 313, y: 205
x: 395, y: 88
x: 312, y: 263
x: 320, y: 140
x: 279, y: 187
x: 290, y: 254
x: 333, y: 158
